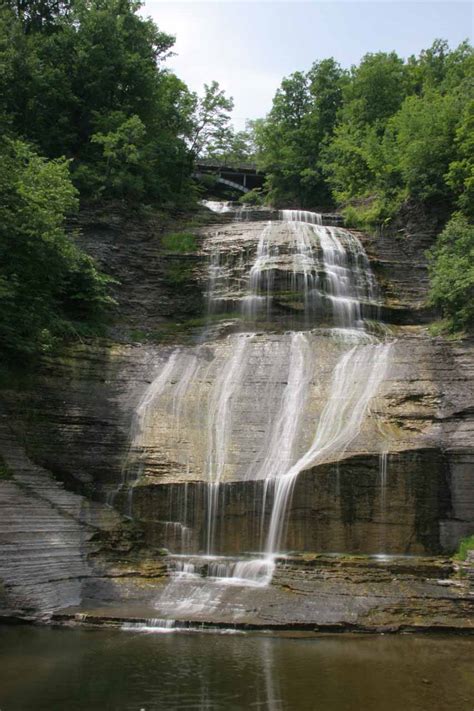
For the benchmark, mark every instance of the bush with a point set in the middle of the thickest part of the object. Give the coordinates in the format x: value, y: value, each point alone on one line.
x: 452, y: 274
x: 49, y: 289
x: 180, y: 242
x: 86, y: 80
x: 465, y: 546
x: 253, y: 197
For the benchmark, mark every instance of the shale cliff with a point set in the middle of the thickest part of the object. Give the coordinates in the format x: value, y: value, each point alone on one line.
x: 66, y: 432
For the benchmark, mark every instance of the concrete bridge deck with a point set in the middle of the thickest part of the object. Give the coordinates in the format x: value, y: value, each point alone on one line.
x: 243, y: 178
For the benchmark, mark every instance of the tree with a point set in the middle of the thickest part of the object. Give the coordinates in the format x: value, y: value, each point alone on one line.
x: 424, y: 131
x: 289, y: 141
x: 122, y: 152
x: 92, y: 69
x: 346, y: 164
x: 460, y: 176
x: 210, y: 120
x: 38, y: 14
x: 326, y: 84
x: 232, y: 147
x: 395, y: 135
x: 452, y: 273
x: 49, y: 289
x: 374, y: 91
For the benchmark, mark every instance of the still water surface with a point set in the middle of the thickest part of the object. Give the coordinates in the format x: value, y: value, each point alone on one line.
x: 89, y: 670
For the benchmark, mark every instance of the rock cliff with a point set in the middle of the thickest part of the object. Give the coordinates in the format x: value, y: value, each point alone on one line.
x: 66, y: 433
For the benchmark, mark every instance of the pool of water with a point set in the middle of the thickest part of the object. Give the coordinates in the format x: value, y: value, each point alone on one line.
x: 68, y: 670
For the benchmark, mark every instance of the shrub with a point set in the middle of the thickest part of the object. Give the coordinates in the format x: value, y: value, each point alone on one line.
x: 49, y: 288
x: 466, y: 545
x: 452, y: 274
x: 180, y: 242
x: 253, y: 197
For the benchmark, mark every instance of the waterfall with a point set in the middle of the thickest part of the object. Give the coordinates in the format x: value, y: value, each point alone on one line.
x: 356, y: 379
x: 325, y: 267
x: 280, y: 449
x: 314, y: 218
x: 220, y: 413
x: 383, y: 471
x: 383, y: 482
x: 217, y: 206
x: 260, y: 281
x: 133, y: 464
x: 259, y: 406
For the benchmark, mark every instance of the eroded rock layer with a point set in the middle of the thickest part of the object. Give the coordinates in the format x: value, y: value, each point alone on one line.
x: 404, y: 485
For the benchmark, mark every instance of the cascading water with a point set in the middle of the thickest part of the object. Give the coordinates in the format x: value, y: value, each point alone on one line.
x: 133, y: 465
x: 356, y: 379
x: 219, y: 429
x: 314, y: 218
x: 217, y: 206
x: 261, y: 408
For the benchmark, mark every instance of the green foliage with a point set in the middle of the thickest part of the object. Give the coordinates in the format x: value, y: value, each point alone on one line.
x: 87, y: 110
x: 400, y: 145
x: 363, y: 215
x: 346, y: 162
x: 209, y: 181
x: 389, y: 131
x: 289, y: 142
x: 452, y: 274
x: 211, y: 117
x: 86, y: 80
x: 465, y: 547
x: 420, y: 138
x: 118, y: 171
x: 253, y: 197
x: 375, y: 90
x: 460, y: 176
x: 232, y: 147
x: 49, y: 289
x: 179, y: 273
x: 89, y: 84
x: 179, y: 242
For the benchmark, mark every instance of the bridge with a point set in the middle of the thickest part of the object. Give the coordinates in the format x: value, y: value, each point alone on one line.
x: 243, y: 178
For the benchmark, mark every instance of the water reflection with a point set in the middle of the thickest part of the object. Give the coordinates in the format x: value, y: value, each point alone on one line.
x: 45, y: 669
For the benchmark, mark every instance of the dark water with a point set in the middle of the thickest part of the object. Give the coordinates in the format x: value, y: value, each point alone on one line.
x: 65, y: 670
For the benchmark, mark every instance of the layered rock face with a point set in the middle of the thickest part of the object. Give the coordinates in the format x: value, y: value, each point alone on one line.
x: 335, y: 508
x: 314, y: 593
x: 47, y: 535
x: 141, y: 425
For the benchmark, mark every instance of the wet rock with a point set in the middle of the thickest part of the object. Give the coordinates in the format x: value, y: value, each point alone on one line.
x: 60, y: 545
x: 336, y: 594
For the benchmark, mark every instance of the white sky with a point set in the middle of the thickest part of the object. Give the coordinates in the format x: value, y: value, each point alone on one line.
x: 248, y: 46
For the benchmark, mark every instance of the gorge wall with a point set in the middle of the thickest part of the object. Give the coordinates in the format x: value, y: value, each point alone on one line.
x: 405, y: 485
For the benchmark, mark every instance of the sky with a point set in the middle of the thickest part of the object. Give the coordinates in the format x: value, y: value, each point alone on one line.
x: 248, y: 46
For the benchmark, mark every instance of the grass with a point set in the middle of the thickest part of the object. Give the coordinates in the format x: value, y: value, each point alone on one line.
x: 179, y: 242
x: 444, y: 328
x: 168, y: 332
x: 466, y: 545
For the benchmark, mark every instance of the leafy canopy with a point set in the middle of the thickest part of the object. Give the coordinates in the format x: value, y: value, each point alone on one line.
x: 87, y: 110
x: 388, y: 129
x: 87, y: 80
x: 48, y: 288
x: 452, y: 273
